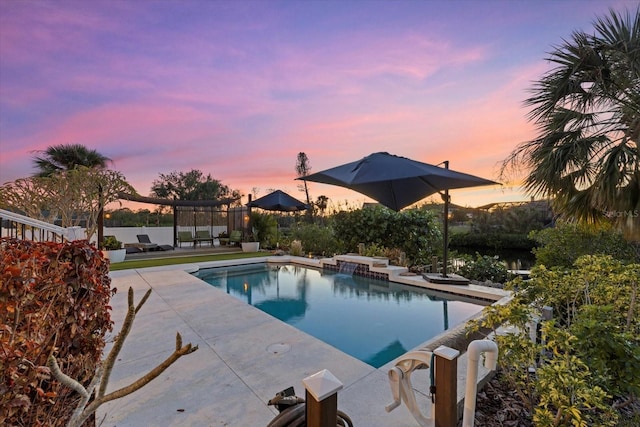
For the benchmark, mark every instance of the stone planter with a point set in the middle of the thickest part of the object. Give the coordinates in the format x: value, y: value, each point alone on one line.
x: 115, y: 255
x: 250, y: 246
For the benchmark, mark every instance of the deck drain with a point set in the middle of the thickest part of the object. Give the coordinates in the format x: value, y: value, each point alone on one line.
x: 279, y: 348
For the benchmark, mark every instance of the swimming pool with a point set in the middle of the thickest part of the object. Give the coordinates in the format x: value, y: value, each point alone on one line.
x: 372, y: 320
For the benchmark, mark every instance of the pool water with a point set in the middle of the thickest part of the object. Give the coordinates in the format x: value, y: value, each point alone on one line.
x: 372, y: 320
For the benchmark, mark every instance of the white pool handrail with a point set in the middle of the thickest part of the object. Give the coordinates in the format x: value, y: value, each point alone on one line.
x: 401, y: 388
x: 474, y: 351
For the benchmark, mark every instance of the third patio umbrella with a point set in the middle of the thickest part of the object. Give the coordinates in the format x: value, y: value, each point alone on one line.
x: 397, y: 182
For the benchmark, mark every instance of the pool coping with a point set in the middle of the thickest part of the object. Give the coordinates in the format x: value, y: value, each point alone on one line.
x: 231, y: 377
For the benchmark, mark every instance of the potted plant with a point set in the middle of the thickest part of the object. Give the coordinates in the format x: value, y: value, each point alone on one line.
x: 249, y: 243
x: 112, y: 249
x: 264, y: 227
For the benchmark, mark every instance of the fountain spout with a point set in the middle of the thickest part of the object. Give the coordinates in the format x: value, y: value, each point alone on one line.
x: 474, y: 351
x: 347, y: 268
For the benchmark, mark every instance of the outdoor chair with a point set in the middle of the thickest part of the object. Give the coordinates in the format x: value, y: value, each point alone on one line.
x: 203, y: 236
x: 144, y: 239
x: 186, y: 237
x: 235, y: 237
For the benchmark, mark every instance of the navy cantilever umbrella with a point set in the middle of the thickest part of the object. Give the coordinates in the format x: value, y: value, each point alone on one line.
x: 397, y: 182
x: 278, y: 201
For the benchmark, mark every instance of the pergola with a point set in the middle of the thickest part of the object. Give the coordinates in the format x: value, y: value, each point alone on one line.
x: 196, y: 214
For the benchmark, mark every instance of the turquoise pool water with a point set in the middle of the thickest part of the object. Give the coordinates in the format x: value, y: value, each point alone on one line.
x: 372, y: 320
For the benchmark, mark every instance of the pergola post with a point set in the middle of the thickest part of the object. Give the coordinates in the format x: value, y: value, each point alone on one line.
x: 175, y: 225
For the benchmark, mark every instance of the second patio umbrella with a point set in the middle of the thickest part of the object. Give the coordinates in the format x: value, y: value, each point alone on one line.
x: 397, y: 182
x: 278, y: 201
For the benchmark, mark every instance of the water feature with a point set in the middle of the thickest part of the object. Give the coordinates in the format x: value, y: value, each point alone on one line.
x: 372, y: 320
x: 347, y: 268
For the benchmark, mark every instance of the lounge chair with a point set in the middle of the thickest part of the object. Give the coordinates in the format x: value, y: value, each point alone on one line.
x: 203, y: 236
x: 131, y: 248
x: 143, y: 239
x: 186, y: 237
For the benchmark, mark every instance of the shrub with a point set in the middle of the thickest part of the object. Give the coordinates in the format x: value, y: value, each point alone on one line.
x: 111, y: 243
x: 264, y: 229
x: 374, y: 250
x: 54, y: 301
x: 370, y: 225
x: 316, y: 239
x: 563, y: 245
x: 417, y: 233
x: 483, y: 268
x: 296, y: 248
x: 589, y: 353
x: 492, y: 240
x: 396, y: 257
x: 413, y: 231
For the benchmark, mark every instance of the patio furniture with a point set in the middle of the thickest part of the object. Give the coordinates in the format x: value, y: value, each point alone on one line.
x: 145, y: 240
x: 141, y: 246
x: 130, y: 248
x: 235, y: 237
x: 203, y: 236
x: 223, y: 238
x: 186, y: 237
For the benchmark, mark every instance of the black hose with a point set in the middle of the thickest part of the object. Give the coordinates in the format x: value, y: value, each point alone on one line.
x: 295, y: 416
x: 344, y: 420
x: 290, y: 417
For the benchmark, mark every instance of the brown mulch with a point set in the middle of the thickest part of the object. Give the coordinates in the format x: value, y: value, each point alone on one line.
x: 498, y: 405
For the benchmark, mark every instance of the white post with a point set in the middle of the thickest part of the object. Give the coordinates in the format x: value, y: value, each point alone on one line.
x: 322, y: 399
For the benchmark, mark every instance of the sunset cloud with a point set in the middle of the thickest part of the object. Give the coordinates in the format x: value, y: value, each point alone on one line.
x: 238, y: 89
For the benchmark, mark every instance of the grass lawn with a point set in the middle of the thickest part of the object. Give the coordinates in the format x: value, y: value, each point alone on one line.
x: 459, y: 229
x: 155, y: 262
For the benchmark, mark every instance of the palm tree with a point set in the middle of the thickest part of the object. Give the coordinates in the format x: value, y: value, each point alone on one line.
x: 57, y: 158
x: 61, y: 158
x: 322, y: 203
x: 303, y: 168
x: 586, y: 156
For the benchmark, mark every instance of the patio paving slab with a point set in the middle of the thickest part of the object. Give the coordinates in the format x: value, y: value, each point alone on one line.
x: 244, y: 358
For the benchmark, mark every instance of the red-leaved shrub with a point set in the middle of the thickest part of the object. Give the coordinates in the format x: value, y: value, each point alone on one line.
x: 54, y: 300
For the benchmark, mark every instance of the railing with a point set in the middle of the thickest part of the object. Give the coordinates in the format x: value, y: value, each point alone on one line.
x: 26, y: 228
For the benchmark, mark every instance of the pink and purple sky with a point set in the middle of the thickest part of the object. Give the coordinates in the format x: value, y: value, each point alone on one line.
x: 238, y: 88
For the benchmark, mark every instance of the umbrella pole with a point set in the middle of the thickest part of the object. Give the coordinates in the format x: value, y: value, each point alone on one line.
x: 446, y: 233
x: 446, y: 227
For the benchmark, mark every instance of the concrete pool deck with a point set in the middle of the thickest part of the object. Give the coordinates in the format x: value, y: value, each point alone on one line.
x: 244, y: 358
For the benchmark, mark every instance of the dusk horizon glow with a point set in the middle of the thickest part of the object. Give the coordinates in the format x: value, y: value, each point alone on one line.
x: 237, y: 89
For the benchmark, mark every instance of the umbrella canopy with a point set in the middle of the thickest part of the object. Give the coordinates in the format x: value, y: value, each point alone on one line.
x: 394, y: 181
x: 278, y: 201
x: 397, y: 182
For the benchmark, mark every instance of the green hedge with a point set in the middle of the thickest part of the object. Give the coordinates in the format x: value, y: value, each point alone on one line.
x: 493, y: 241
